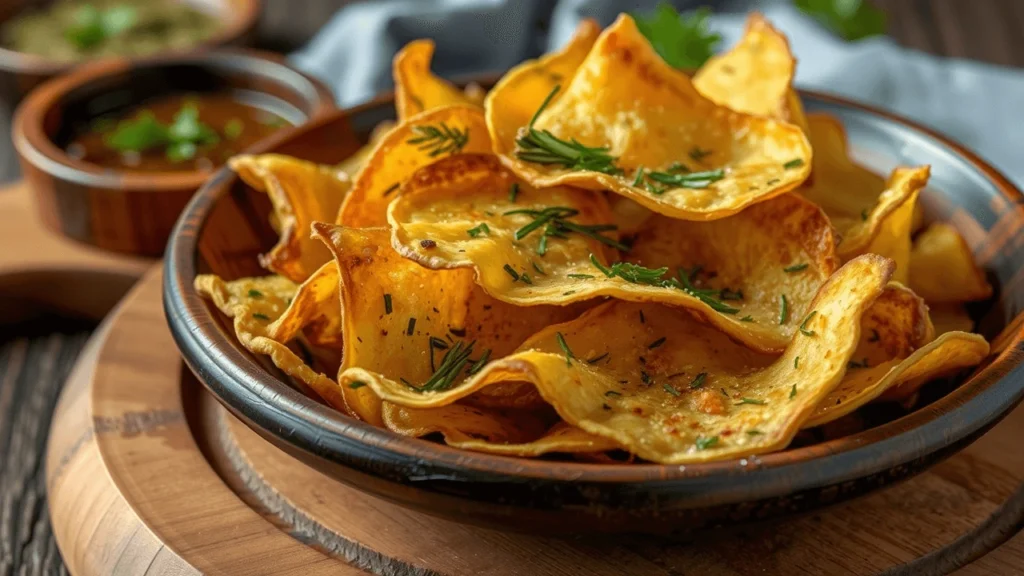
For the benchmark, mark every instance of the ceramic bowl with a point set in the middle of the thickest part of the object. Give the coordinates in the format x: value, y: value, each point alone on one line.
x: 225, y: 227
x: 21, y: 72
x: 120, y: 209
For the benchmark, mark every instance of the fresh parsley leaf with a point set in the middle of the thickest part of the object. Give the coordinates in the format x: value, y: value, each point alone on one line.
x: 850, y: 19
x: 141, y: 133
x: 682, y: 40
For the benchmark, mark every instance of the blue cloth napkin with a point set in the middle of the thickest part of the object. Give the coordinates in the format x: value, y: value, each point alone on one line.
x: 980, y: 105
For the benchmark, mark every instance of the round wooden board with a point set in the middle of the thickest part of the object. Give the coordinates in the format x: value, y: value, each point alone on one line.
x: 147, y: 474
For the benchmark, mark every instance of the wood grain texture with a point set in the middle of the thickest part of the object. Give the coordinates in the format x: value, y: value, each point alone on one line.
x: 913, y: 23
x: 159, y: 479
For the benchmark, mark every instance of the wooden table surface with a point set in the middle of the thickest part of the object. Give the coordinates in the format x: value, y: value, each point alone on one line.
x: 34, y: 355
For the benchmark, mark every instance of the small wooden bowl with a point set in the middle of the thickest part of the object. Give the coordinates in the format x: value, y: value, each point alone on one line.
x: 21, y: 72
x: 225, y: 227
x: 119, y: 209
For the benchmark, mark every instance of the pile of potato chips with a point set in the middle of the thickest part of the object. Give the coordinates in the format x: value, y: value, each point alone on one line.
x: 603, y: 255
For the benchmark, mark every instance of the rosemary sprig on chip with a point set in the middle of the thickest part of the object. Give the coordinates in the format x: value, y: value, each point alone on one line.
x: 636, y: 274
x: 441, y: 139
x: 556, y: 224
x: 543, y: 147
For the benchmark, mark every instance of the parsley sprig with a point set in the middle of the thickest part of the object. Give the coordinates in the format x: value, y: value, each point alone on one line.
x: 181, y: 139
x: 683, y: 41
x: 850, y: 19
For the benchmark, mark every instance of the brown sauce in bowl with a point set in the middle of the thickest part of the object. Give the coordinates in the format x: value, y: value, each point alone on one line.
x: 182, y: 132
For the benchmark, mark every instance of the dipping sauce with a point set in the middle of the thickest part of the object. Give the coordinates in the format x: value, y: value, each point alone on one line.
x: 75, y: 30
x: 183, y: 132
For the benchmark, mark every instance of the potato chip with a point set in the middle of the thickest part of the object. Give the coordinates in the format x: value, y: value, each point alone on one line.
x: 268, y: 313
x: 892, y: 329
x: 630, y: 123
x: 897, y: 379
x: 755, y: 76
x: 672, y: 389
x: 301, y: 193
x: 950, y: 318
x: 752, y: 275
x: 419, y: 141
x: 417, y: 89
x: 354, y: 163
x: 489, y: 431
x: 942, y: 269
x: 417, y: 325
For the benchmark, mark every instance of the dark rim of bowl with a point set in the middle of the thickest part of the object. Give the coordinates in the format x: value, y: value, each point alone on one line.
x: 262, y: 399
x: 36, y: 147
x: 236, y: 27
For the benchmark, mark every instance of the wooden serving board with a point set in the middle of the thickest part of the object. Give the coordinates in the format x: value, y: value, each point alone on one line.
x: 146, y: 473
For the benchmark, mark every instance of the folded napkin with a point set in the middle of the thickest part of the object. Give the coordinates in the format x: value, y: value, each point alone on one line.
x: 979, y: 105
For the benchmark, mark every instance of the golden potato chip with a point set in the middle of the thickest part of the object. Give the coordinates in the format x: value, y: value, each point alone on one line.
x: 942, y: 269
x: 896, y: 325
x: 755, y: 76
x: 475, y: 94
x: 752, y: 275
x: 413, y: 144
x: 672, y: 389
x: 490, y: 431
x: 267, y: 313
x: 354, y: 163
x: 417, y: 325
x: 417, y: 89
x: 301, y: 193
x: 845, y: 190
x: 950, y: 318
x: 630, y: 123
x: 522, y: 90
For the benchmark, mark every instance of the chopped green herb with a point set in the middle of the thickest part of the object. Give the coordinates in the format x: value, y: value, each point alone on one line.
x: 639, y: 176
x: 875, y: 337
x: 642, y: 317
x: 726, y: 294
x: 412, y: 327
x: 753, y: 432
x: 580, y: 276
x: 555, y: 221
x: 479, y: 364
x: 747, y: 318
x: 512, y: 272
x: 750, y: 401
x: 597, y: 359
x: 692, y: 180
x: 356, y: 384
x: 656, y: 343
x: 542, y: 246
x: 438, y: 140
x: 543, y: 147
x: 565, y: 348
x: 452, y: 364
x: 783, y: 309
x: 568, y: 293
x: 792, y: 392
x: 698, y: 381
x: 611, y: 393
x: 794, y: 163
x: 261, y: 316
x: 538, y: 268
x: 864, y: 214
x: 796, y: 362
x: 683, y: 41
x: 253, y: 293
x: 513, y: 191
x: 92, y: 26
x: 479, y: 229
x: 796, y: 268
x: 671, y: 389
x: 526, y: 278
x: 703, y: 443
x: 438, y: 343
x: 853, y: 364
x: 606, y: 407
x: 646, y: 378
x: 387, y: 303
x: 803, y: 325
x: 850, y: 19
x: 390, y: 189
x: 637, y: 274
